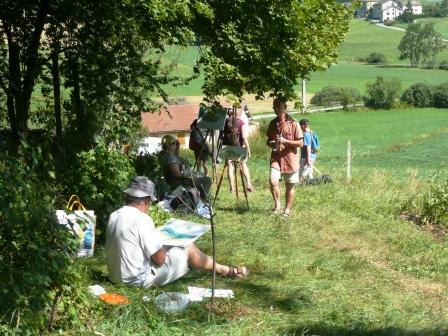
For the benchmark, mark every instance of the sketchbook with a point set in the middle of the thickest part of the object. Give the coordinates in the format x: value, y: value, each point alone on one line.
x: 178, y: 232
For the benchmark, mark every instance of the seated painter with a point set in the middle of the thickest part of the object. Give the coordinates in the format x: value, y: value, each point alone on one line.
x: 177, y: 171
x: 134, y: 251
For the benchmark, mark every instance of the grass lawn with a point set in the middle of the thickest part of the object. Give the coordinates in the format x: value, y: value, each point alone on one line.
x: 343, y: 264
x: 364, y: 38
x: 358, y: 75
x: 440, y: 25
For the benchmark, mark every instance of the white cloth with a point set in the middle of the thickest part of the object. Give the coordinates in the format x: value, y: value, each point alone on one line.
x: 131, y: 239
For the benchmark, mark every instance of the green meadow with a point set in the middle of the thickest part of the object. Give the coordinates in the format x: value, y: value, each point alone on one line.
x: 396, y: 141
x: 440, y: 25
x: 343, y: 264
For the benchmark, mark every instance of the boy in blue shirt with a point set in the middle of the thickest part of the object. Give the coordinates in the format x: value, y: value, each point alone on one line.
x: 308, y: 154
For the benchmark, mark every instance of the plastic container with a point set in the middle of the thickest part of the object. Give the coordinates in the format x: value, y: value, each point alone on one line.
x: 172, y: 302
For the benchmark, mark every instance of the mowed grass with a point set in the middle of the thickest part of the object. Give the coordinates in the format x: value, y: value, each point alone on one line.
x: 364, y: 38
x: 358, y: 75
x: 343, y: 264
x: 394, y: 140
x: 440, y: 25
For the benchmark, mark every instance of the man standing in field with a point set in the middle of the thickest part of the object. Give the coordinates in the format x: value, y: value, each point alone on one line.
x: 308, y: 153
x: 284, y: 137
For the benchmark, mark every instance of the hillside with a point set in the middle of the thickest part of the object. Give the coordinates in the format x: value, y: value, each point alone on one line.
x: 343, y: 264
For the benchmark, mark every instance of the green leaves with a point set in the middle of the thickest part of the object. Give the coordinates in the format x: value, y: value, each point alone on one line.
x: 269, y: 45
x: 420, y: 44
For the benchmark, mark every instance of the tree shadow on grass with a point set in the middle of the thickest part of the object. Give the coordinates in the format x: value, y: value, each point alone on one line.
x: 323, y: 329
x: 394, y: 66
x: 264, y: 296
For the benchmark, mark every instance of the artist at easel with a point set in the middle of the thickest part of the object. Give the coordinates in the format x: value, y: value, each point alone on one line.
x: 235, y: 134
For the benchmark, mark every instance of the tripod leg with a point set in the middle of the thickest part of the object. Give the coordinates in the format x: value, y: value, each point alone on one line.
x: 235, y: 172
x: 212, y: 132
x: 244, y: 184
x: 220, y: 181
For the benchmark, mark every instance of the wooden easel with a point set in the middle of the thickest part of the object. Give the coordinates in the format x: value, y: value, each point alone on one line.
x: 238, y: 167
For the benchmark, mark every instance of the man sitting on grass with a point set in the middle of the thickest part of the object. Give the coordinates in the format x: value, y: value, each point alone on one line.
x: 134, y: 251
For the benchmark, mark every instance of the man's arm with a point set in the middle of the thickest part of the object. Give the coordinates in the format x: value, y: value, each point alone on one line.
x: 159, y: 257
x: 270, y: 133
x: 291, y: 143
x: 308, y: 154
x: 174, y: 169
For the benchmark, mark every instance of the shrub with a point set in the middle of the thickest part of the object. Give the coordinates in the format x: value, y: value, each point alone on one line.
x: 177, y: 100
x: 149, y: 165
x: 389, y: 22
x: 441, y: 95
x: 376, y: 58
x: 431, y: 64
x: 336, y: 95
x: 443, y: 65
x: 419, y: 95
x: 99, y: 178
x: 326, y: 96
x: 36, y: 269
x: 435, y: 203
x: 382, y: 93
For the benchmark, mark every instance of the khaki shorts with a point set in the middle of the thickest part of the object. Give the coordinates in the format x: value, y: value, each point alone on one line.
x: 175, y: 267
x: 290, y: 178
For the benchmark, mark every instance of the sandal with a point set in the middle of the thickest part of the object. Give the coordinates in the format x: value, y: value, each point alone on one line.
x: 250, y: 189
x: 238, y: 272
x: 275, y: 211
x: 286, y: 214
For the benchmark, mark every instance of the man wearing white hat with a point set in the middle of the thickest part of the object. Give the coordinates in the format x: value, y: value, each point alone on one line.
x: 134, y: 250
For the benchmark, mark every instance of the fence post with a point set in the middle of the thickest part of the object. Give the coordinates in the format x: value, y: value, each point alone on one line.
x: 349, y: 161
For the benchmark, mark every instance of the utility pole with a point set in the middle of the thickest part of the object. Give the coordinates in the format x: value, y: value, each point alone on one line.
x: 304, y: 103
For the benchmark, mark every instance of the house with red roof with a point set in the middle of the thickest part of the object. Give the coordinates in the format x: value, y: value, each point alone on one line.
x: 174, y: 120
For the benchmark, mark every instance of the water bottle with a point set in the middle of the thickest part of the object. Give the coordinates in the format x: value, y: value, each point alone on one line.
x: 88, y: 239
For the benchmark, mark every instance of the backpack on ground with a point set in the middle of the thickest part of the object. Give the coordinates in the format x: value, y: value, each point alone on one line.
x: 186, y: 202
x: 323, y: 179
x: 315, y: 143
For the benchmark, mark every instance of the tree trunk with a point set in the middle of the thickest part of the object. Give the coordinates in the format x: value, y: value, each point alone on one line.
x: 32, y: 65
x: 77, y: 98
x: 57, y: 94
x: 15, y: 92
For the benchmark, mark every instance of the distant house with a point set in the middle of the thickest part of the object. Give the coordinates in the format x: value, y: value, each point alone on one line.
x: 174, y: 120
x: 388, y: 10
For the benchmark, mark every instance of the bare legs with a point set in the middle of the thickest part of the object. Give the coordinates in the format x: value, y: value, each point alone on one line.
x: 289, y: 195
x: 246, y: 174
x: 275, y: 191
x: 200, y: 261
x: 205, y: 166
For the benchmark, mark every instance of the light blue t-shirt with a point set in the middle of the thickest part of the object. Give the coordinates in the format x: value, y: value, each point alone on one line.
x: 307, y: 142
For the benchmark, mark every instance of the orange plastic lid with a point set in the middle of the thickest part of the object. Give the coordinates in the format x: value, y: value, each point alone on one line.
x: 115, y: 299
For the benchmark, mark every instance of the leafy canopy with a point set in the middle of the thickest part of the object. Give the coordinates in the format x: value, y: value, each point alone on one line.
x: 420, y: 44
